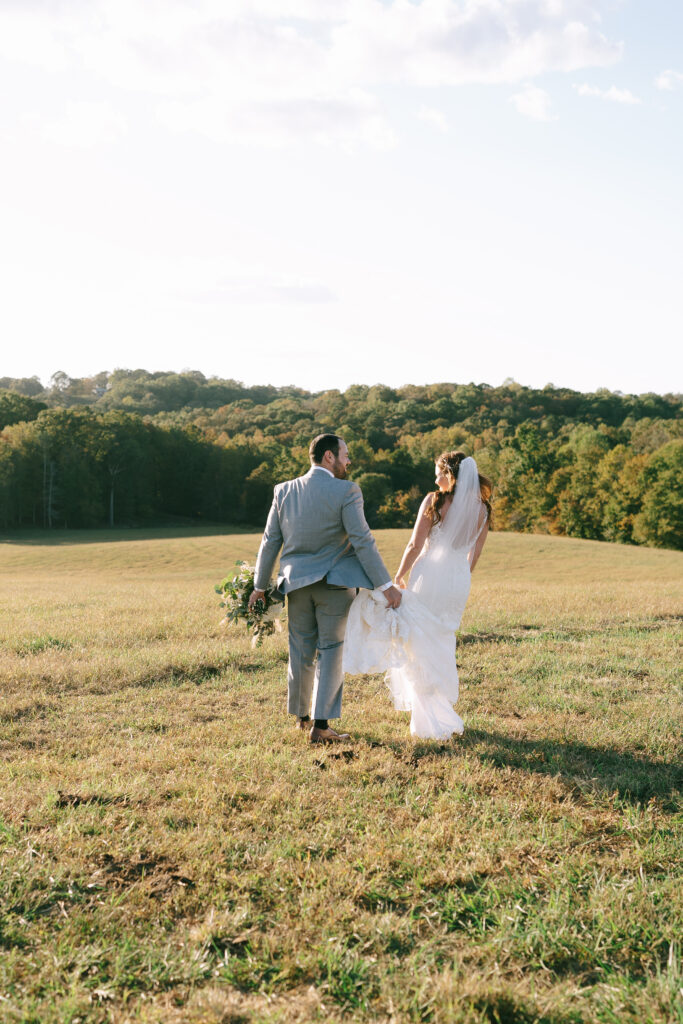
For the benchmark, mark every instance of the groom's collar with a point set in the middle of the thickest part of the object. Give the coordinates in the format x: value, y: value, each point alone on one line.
x: 322, y: 469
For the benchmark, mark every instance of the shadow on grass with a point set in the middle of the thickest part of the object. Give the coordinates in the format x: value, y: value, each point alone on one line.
x: 517, y: 635
x: 584, y: 768
x: 636, y: 779
x: 499, y: 1008
x: 106, y: 535
x: 178, y: 675
x: 525, y: 634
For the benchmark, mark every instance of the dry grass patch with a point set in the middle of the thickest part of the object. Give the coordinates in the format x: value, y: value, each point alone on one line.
x: 172, y: 850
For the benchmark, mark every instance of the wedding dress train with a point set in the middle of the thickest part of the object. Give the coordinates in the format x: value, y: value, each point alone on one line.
x: 415, y: 644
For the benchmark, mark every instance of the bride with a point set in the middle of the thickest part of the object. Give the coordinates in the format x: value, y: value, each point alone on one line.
x: 415, y: 643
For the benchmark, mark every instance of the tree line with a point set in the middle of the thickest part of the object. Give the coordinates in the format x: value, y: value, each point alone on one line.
x: 137, y: 447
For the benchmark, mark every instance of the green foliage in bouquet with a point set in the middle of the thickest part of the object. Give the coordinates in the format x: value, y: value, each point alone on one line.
x: 265, y: 618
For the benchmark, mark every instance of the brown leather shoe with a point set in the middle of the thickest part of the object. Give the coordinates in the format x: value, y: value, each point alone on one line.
x: 304, y: 724
x: 327, y: 736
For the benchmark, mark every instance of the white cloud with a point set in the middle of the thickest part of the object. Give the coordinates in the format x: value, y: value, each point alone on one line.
x: 84, y: 125
x: 534, y: 103
x: 268, y: 71
x: 236, y: 281
x: 613, y: 94
x: 346, y: 121
x: 441, y: 42
x: 33, y: 35
x: 669, y: 80
x: 251, y: 290
x: 434, y: 117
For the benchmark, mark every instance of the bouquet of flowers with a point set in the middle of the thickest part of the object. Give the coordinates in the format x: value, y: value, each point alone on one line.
x: 265, y: 618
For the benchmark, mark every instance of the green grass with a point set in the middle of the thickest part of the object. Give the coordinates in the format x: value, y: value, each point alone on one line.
x: 171, y: 849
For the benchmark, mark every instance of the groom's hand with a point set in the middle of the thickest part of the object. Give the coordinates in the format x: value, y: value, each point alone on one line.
x: 393, y: 596
x: 256, y: 595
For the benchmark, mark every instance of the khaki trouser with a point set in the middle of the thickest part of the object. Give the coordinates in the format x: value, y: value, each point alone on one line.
x: 317, y: 620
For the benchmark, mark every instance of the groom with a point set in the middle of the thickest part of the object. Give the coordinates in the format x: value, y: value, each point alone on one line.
x: 327, y: 552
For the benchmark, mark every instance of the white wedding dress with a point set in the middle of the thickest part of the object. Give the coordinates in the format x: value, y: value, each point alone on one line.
x: 415, y: 643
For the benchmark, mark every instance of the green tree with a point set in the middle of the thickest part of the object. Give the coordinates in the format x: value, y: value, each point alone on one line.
x: 660, y: 523
x: 375, y: 488
x: 16, y: 408
x: 525, y: 468
x: 400, y: 509
x: 579, y: 502
x: 121, y: 449
x: 619, y: 477
x: 257, y: 494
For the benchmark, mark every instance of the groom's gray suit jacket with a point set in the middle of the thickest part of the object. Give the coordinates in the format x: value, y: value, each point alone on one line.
x: 319, y: 523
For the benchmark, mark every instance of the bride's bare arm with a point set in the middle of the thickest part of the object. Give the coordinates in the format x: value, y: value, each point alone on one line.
x: 479, y: 545
x: 416, y: 543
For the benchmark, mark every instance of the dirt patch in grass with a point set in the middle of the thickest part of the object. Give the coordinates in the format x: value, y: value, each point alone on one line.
x: 90, y: 799
x: 154, y: 873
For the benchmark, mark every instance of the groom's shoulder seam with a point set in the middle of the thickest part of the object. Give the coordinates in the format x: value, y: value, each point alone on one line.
x: 286, y: 485
x: 345, y: 483
x: 283, y: 486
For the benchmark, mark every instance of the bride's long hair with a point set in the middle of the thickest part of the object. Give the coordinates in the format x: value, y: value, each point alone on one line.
x: 449, y: 464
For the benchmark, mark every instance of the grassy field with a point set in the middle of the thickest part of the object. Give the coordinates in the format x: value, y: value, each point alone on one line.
x: 173, y: 851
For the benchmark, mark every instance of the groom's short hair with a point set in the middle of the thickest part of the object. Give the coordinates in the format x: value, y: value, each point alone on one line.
x: 321, y: 444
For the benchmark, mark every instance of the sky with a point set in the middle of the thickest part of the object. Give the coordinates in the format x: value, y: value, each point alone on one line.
x: 334, y: 192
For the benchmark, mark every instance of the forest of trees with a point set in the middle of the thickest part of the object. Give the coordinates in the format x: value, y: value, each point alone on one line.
x: 133, y: 447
